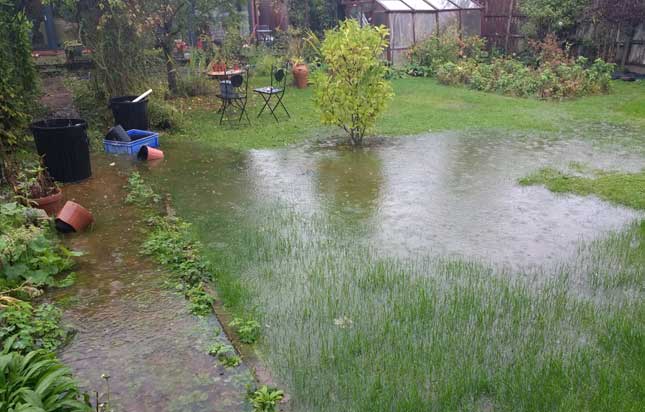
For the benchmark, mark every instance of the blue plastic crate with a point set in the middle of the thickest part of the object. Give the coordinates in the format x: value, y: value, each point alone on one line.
x: 139, y: 138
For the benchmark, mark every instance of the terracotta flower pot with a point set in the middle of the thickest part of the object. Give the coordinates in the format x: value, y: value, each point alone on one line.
x: 149, y: 153
x: 50, y: 204
x: 73, y: 218
x: 301, y: 74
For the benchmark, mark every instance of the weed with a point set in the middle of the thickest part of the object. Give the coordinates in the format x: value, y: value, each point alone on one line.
x: 140, y: 193
x: 248, y: 330
x: 200, y: 302
x: 265, y: 399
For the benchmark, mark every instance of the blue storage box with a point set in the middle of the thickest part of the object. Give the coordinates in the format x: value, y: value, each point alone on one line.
x: 139, y: 138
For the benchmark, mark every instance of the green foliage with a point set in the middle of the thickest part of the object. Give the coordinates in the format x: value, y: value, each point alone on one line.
x: 553, y: 16
x: 627, y: 189
x: 18, y: 81
x: 352, y: 92
x: 200, y: 301
x: 139, y: 192
x: 163, y: 115
x: 28, y: 249
x: 317, y: 15
x: 31, y: 327
x: 511, y: 77
x: 225, y: 354
x: 444, y: 47
x: 37, y: 382
x: 265, y: 399
x: 247, y: 329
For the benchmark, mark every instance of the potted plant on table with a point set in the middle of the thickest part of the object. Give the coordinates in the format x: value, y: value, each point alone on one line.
x: 300, y: 72
x: 33, y: 186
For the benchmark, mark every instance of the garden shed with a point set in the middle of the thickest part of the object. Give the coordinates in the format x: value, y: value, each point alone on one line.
x: 411, y: 21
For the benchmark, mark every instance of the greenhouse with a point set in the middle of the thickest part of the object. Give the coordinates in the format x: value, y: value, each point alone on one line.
x: 411, y: 21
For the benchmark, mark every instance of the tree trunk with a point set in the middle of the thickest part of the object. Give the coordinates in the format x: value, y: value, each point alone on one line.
x: 171, y: 72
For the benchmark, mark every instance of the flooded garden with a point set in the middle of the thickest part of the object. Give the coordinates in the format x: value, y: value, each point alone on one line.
x: 348, y: 206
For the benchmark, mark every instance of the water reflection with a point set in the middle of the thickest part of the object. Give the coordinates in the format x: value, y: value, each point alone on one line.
x: 438, y: 194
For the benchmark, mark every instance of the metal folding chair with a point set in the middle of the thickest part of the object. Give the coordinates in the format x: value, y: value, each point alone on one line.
x: 234, y: 95
x: 269, y: 93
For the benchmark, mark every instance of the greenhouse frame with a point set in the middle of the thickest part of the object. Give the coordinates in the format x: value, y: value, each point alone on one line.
x: 412, y: 21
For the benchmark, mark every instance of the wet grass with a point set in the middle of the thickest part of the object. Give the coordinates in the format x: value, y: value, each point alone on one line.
x: 627, y: 189
x: 419, y: 105
x: 348, y: 330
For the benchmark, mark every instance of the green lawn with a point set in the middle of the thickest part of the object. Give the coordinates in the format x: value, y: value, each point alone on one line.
x: 420, y: 105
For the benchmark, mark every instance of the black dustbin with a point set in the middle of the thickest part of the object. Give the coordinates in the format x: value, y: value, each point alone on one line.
x: 65, y: 148
x: 130, y: 115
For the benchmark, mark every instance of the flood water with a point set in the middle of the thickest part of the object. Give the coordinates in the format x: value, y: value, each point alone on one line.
x: 128, y: 325
x: 436, y: 194
x: 429, y: 195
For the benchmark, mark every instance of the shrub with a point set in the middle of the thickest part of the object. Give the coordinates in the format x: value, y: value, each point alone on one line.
x: 37, y: 381
x: 446, y: 47
x: 555, y: 75
x: 353, y: 91
x: 163, y: 115
x: 18, y: 82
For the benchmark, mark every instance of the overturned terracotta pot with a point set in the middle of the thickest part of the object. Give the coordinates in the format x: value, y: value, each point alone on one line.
x: 73, y: 218
x: 50, y: 204
x: 149, y: 153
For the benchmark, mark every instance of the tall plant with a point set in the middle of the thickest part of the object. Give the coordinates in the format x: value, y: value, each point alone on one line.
x: 352, y: 92
x: 18, y: 83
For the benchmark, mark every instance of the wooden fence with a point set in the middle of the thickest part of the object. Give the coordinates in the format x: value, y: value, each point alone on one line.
x: 501, y: 23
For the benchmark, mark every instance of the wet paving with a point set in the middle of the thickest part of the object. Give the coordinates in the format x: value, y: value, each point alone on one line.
x: 443, y: 194
x: 128, y: 324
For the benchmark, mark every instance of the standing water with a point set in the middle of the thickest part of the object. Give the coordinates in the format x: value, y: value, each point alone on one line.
x: 129, y: 326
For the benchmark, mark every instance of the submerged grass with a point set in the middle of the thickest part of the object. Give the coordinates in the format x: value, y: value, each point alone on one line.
x: 348, y: 330
x: 419, y: 105
x: 627, y: 189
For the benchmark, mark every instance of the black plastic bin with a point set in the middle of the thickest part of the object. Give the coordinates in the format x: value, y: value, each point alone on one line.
x: 130, y: 115
x: 64, y: 147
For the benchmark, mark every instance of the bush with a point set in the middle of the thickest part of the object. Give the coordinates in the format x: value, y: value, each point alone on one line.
x: 353, y: 91
x: 548, y: 74
x: 441, y: 48
x: 18, y: 82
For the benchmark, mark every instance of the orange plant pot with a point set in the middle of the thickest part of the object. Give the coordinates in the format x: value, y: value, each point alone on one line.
x: 73, y: 218
x: 50, y: 204
x: 149, y: 153
x: 301, y: 74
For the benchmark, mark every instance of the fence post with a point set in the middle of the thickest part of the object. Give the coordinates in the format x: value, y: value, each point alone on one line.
x: 508, y: 25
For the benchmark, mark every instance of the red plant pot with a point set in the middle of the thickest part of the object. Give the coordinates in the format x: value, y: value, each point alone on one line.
x: 73, y: 218
x: 50, y: 204
x: 149, y: 153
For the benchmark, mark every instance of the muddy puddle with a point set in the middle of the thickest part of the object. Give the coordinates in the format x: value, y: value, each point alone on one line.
x: 436, y: 194
x: 128, y: 325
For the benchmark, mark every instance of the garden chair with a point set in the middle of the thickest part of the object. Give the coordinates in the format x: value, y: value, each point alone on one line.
x: 272, y: 93
x: 234, y: 95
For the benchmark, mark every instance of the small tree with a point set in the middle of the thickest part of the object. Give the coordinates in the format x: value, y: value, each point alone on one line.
x: 353, y: 91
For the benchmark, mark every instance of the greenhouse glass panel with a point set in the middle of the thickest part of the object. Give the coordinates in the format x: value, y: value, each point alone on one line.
x: 466, y: 4
x: 442, y: 4
x: 471, y: 22
x: 401, y: 36
x: 419, y: 5
x: 448, y: 19
x: 393, y: 5
x: 425, y: 25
